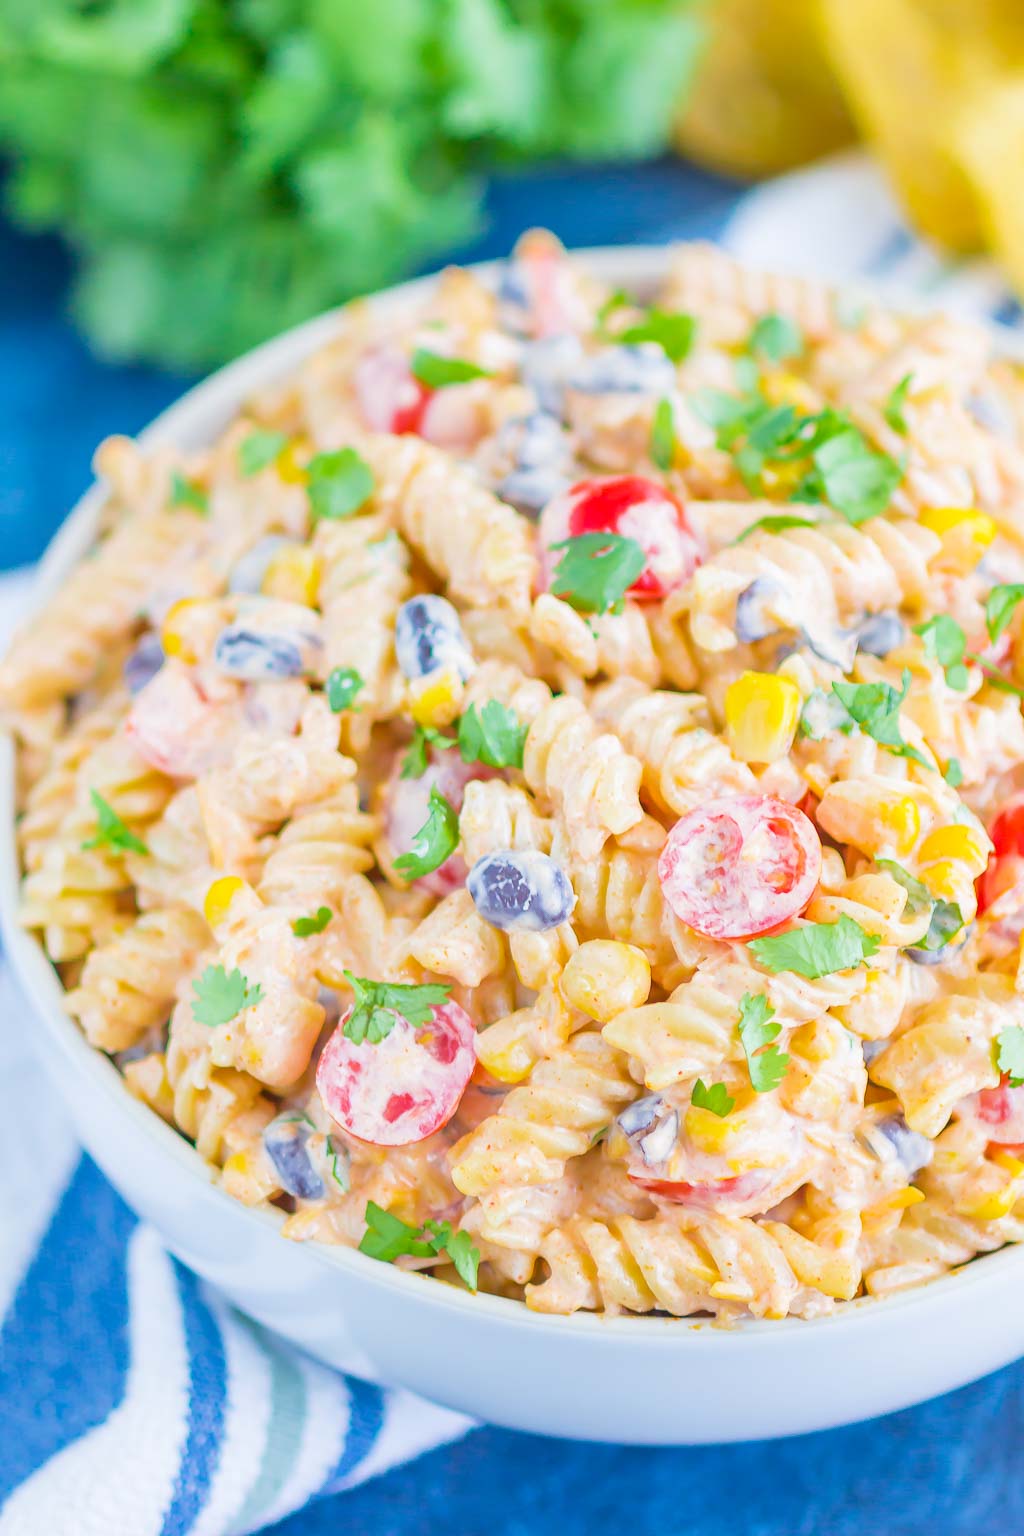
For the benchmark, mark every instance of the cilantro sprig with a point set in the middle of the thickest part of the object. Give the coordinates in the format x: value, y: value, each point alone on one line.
x: 491, y: 735
x: 1000, y: 607
x: 340, y: 483
x: 674, y: 333
x: 662, y: 446
x: 893, y: 408
x: 111, y: 831
x: 414, y: 762
x: 305, y: 927
x: 220, y: 995
x: 946, y: 919
x: 716, y: 1098
x: 766, y: 1064
x: 875, y: 709
x: 259, y: 450
x: 775, y: 524
x: 774, y: 338
x: 597, y: 570
x: 188, y: 493
x: 343, y: 686
x: 1010, y: 1054
x: 378, y: 1005
x: 387, y: 1238
x: 816, y: 949
x: 435, y: 841
x: 436, y: 371
x: 946, y: 643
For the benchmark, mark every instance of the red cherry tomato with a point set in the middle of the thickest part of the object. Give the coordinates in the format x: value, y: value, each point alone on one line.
x: 408, y: 805
x: 405, y: 1087
x: 1006, y: 862
x: 635, y: 508
x: 178, y: 731
x: 1001, y: 1111
x: 745, y: 1186
x: 740, y: 865
x: 390, y: 397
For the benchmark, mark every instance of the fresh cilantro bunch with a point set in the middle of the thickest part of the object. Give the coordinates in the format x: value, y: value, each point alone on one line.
x: 247, y: 165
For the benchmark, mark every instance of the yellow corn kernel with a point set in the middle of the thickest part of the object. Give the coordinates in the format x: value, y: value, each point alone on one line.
x: 1010, y: 1164
x: 991, y: 1207
x: 708, y: 1132
x: 288, y: 467
x: 902, y: 819
x: 508, y: 1058
x: 761, y: 714
x: 871, y: 821
x: 219, y: 897
x: 174, y: 632
x: 965, y: 844
x: 293, y: 575
x: 965, y: 534
x: 436, y: 700
x: 877, y: 1215
x: 944, y: 879
x: 604, y: 978
x: 782, y: 388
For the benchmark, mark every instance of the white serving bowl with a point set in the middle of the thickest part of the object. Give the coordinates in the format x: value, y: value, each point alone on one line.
x: 644, y: 1380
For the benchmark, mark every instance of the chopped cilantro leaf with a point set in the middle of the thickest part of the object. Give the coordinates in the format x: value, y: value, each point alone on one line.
x: 337, y: 1155
x: 620, y: 299
x: 414, y: 763
x: 492, y: 735
x: 716, y: 1098
x: 187, y: 493
x: 673, y: 333
x: 777, y: 524
x: 663, y: 436
x: 816, y: 949
x: 919, y: 897
x: 378, y: 1005
x: 435, y: 841
x: 1010, y: 1054
x: 1000, y: 607
x: 597, y: 570
x: 856, y: 479
x: 875, y: 708
x: 111, y: 831
x: 342, y: 687
x: 387, y: 1238
x: 893, y: 408
x: 304, y: 927
x: 945, y: 641
x: 765, y: 1062
x: 221, y: 994
x: 339, y: 483
x: 946, y: 918
x: 775, y: 337
x: 259, y: 450
x: 436, y: 371
x: 953, y: 773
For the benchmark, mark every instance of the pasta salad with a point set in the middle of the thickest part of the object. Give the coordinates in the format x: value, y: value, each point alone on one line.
x: 540, y: 799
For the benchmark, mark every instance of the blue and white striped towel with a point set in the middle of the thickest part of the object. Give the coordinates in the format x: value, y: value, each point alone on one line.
x: 133, y: 1402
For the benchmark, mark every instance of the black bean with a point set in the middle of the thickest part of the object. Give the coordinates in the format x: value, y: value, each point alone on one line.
x: 249, y: 570
x: 642, y: 369
x: 912, y: 1149
x: 428, y: 635
x: 751, y: 622
x: 641, y: 1114
x: 523, y: 890
x: 257, y: 657
x: 545, y: 367
x: 880, y: 633
x: 144, y: 662
x: 284, y: 1141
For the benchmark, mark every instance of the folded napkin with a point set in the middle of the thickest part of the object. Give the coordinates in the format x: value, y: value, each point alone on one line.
x: 133, y: 1400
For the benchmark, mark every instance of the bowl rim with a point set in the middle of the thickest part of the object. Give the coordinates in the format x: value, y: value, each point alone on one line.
x: 194, y: 418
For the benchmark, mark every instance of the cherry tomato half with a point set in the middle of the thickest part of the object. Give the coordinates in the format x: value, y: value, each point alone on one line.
x: 390, y: 397
x: 1001, y: 1111
x: 405, y: 1087
x: 708, y: 1196
x: 1006, y: 862
x: 408, y: 805
x: 637, y: 509
x: 740, y: 865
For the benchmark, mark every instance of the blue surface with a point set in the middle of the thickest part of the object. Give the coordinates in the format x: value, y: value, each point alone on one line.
x: 57, y: 402
x: 950, y: 1466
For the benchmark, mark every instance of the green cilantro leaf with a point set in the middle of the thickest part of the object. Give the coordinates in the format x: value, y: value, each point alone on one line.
x: 775, y: 525
x: 716, y: 1098
x: 919, y: 897
x: 875, y: 708
x: 221, y: 994
x: 953, y: 773
x: 342, y: 686
x: 775, y: 337
x: 387, y: 1238
x: 414, y: 763
x: 436, y: 371
x: 339, y: 483
x: 1000, y: 606
x: 946, y: 917
x: 620, y: 299
x: 187, y: 493
x: 945, y: 641
x: 893, y: 408
x: 304, y: 927
x: 259, y: 450
x: 856, y: 479
x: 596, y: 571
x: 435, y: 841
x: 492, y: 735
x: 1010, y: 1054
x: 111, y: 831
x: 765, y: 1062
x: 377, y: 1006
x: 993, y: 676
x: 816, y: 949
x: 663, y: 436
x: 337, y: 1156
x: 673, y: 333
